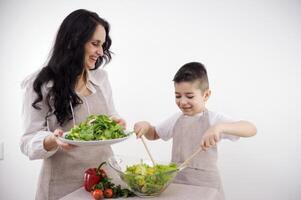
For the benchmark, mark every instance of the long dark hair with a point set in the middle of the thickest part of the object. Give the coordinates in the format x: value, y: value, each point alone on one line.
x: 66, y: 63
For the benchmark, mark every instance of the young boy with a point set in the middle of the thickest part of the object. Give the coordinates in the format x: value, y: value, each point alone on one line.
x: 195, y: 127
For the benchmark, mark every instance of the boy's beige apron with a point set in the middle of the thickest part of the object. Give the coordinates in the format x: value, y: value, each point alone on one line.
x: 63, y: 172
x: 202, y: 170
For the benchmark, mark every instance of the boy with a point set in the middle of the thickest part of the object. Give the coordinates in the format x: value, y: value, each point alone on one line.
x: 195, y: 126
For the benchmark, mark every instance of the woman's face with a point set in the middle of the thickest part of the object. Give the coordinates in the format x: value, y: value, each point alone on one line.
x: 93, y: 48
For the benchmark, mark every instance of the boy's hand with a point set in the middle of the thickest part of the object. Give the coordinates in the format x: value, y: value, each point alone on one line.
x: 141, y: 128
x: 210, y: 138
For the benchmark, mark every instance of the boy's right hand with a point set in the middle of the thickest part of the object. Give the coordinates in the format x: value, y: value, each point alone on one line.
x: 141, y: 128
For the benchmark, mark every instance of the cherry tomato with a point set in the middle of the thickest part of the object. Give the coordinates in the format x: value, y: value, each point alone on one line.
x: 108, y: 193
x: 97, y: 194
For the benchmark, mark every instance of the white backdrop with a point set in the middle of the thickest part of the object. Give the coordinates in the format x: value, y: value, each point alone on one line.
x: 252, y: 51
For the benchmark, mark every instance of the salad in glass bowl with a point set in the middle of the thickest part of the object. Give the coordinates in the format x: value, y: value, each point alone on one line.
x: 142, y: 178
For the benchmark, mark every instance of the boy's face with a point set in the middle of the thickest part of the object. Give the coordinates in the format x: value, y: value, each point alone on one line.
x: 189, y: 97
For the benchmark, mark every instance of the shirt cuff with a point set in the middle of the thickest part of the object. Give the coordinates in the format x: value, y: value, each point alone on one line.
x: 229, y: 137
x: 37, y: 146
x: 161, y: 136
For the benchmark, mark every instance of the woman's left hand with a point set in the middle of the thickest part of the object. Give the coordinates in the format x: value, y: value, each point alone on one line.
x: 119, y: 121
x: 210, y: 138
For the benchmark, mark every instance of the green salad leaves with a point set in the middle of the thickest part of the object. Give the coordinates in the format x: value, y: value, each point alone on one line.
x: 96, y: 127
x: 149, y: 180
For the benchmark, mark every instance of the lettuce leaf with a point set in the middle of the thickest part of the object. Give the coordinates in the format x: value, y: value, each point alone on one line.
x: 96, y: 127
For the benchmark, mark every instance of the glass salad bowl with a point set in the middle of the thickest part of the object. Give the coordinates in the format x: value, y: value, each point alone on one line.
x: 142, y: 178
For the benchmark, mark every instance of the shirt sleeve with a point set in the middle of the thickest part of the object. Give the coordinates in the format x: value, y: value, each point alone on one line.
x: 165, y: 128
x: 34, y: 126
x: 216, y: 118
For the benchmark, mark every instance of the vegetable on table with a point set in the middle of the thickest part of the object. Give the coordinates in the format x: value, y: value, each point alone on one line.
x: 97, y: 194
x: 108, y: 193
x: 99, y: 184
x: 92, y: 176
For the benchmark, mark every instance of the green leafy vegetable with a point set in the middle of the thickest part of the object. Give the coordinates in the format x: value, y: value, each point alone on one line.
x: 149, y: 180
x: 96, y: 127
x: 106, y: 183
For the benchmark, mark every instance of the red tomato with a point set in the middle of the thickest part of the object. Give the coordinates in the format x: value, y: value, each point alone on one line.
x: 97, y: 194
x: 108, y: 193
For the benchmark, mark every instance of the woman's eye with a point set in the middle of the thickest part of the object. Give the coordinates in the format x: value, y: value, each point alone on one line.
x: 177, y: 97
x: 190, y: 97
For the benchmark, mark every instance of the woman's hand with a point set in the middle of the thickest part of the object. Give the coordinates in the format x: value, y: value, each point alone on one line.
x: 141, y: 128
x: 51, y: 142
x: 210, y: 138
x: 119, y: 121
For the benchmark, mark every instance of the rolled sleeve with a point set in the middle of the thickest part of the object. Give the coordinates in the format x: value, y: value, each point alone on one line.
x: 165, y: 128
x: 229, y: 137
x: 220, y: 117
x: 35, y: 146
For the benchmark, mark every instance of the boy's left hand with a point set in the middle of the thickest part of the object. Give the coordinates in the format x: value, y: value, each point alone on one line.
x: 210, y: 138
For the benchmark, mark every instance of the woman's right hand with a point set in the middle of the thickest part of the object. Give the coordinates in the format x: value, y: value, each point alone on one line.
x: 141, y: 128
x: 51, y: 141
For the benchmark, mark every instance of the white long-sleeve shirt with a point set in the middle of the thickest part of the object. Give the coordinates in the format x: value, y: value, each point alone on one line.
x: 36, y: 128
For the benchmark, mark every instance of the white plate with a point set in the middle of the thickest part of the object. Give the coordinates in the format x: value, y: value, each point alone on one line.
x: 93, y: 142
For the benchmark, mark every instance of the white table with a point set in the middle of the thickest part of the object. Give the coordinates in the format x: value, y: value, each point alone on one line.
x: 173, y: 192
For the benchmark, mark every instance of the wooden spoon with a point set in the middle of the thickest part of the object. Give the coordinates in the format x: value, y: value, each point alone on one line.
x: 188, y: 160
x: 148, y: 152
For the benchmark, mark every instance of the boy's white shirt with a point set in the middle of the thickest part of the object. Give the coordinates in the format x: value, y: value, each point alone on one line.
x: 165, y: 128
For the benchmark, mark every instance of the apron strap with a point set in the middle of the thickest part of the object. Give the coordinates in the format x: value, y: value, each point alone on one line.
x: 87, y: 105
x: 72, y: 111
x: 47, y: 124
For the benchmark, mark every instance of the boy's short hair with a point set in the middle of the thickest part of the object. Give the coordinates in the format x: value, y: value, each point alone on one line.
x: 191, y: 72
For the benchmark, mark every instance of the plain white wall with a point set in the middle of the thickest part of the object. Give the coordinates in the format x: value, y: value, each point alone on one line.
x: 252, y: 50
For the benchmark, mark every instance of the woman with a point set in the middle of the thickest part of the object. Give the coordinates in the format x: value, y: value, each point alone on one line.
x: 63, y: 93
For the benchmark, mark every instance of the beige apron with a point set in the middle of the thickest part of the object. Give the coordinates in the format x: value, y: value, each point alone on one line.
x: 202, y: 170
x: 63, y: 172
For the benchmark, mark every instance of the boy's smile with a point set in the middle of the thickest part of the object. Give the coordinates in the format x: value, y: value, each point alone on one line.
x: 189, y: 97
